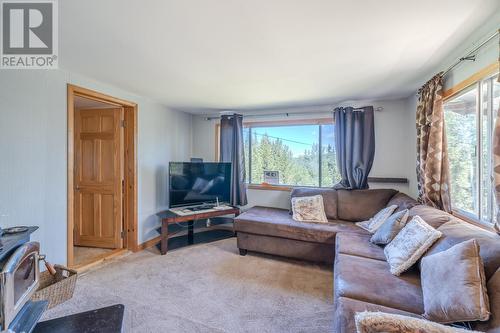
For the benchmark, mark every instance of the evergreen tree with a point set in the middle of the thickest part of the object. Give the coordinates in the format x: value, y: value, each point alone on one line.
x: 273, y: 154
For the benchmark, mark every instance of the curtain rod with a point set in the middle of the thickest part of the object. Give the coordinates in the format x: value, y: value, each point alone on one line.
x: 288, y: 114
x: 470, y: 55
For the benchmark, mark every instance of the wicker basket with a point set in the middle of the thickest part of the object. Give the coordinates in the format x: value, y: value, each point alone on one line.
x: 58, y: 288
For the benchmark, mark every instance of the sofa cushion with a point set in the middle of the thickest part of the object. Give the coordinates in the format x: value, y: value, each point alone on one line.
x: 371, y: 281
x: 346, y: 309
x: 457, y: 231
x: 358, y: 245
x: 278, y: 223
x: 329, y: 198
x: 432, y: 216
x: 402, y: 201
x: 361, y: 205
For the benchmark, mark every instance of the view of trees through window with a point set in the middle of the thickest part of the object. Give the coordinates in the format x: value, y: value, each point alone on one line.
x: 301, y: 155
x: 460, y: 121
x: 469, y: 129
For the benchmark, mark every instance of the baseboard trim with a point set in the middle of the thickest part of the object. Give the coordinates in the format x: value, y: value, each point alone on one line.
x: 149, y: 243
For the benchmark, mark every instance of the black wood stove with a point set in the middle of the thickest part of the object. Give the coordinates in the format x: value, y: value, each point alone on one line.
x: 19, y: 280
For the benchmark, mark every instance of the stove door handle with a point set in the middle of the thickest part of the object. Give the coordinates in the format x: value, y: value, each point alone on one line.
x: 48, y: 265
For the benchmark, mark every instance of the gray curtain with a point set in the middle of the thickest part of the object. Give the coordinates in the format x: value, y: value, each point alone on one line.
x: 355, y: 146
x: 231, y: 150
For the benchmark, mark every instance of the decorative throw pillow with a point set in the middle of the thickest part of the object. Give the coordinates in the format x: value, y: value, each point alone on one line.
x: 329, y: 198
x: 308, y: 209
x: 379, y: 322
x: 463, y: 297
x: 375, y: 222
x: 410, y: 244
x: 493, y: 288
x: 390, y: 228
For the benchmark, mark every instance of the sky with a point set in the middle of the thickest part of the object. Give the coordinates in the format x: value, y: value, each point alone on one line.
x: 298, y: 138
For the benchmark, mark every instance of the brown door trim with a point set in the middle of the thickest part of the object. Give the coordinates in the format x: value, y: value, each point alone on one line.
x: 130, y: 165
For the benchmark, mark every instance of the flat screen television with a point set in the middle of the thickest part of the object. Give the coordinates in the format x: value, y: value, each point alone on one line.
x: 194, y: 183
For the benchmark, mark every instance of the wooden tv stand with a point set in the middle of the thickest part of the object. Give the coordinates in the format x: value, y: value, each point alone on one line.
x: 169, y: 217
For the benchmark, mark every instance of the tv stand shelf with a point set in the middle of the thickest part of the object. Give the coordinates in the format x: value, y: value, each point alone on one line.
x: 170, y: 217
x: 203, y: 207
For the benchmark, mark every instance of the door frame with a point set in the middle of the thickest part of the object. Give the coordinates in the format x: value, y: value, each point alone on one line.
x: 130, y: 217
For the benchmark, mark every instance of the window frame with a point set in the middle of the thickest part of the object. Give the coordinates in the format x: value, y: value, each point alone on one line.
x: 477, y: 80
x: 277, y: 123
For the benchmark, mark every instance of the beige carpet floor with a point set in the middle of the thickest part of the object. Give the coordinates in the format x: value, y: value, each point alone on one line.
x: 209, y: 288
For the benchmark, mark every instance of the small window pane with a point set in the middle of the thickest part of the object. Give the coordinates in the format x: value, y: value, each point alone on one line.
x: 489, y: 106
x: 496, y: 94
x: 246, y: 147
x: 486, y: 130
x: 495, y: 109
x: 329, y: 171
x: 461, y: 130
x: 285, y: 155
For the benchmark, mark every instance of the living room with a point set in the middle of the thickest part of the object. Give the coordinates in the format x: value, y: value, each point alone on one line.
x: 231, y: 166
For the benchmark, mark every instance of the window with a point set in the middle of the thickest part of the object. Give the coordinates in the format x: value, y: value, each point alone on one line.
x: 302, y: 155
x: 469, y: 120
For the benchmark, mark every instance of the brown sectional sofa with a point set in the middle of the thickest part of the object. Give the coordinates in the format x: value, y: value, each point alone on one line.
x: 362, y: 280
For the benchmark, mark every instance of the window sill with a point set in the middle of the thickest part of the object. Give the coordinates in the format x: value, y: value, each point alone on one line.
x: 269, y: 187
x: 472, y: 220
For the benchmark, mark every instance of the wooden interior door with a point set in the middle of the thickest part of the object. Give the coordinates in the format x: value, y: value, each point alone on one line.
x: 98, y: 178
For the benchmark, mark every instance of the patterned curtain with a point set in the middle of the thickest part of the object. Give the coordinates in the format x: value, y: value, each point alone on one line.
x: 496, y: 157
x: 432, y: 157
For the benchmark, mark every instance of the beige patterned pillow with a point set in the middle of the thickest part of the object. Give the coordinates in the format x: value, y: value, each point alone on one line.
x: 375, y: 222
x: 410, y: 244
x: 379, y: 322
x: 309, y: 209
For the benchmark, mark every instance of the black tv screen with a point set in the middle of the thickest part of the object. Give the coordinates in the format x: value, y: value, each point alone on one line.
x: 198, y: 183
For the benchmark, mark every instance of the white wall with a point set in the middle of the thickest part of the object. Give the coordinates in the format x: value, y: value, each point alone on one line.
x: 393, y: 149
x: 411, y: 111
x: 33, y: 143
x: 486, y: 56
x: 393, y: 144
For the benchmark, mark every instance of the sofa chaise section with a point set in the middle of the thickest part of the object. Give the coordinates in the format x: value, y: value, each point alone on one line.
x: 274, y: 231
